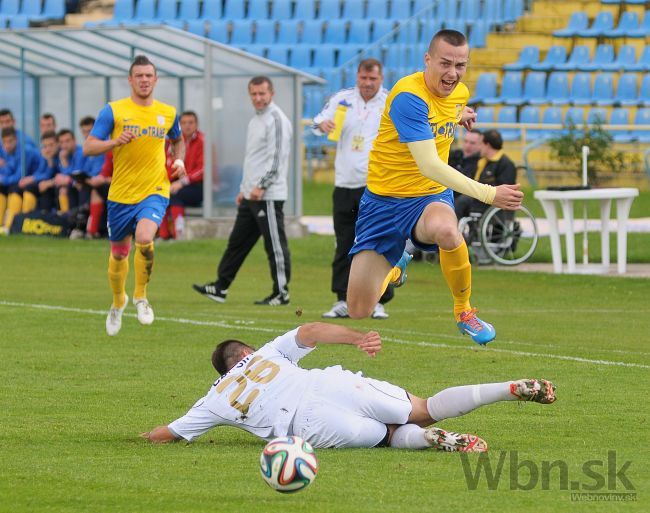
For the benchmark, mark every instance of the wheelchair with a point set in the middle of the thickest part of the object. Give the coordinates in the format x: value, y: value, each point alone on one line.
x: 500, y: 236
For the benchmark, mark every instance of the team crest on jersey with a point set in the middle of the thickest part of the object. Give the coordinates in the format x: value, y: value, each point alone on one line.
x: 161, y: 120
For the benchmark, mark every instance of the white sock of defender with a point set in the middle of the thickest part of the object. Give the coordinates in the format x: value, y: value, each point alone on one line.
x: 409, y: 436
x: 458, y: 401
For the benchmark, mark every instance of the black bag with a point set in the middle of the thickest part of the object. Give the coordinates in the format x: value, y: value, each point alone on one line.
x: 42, y: 223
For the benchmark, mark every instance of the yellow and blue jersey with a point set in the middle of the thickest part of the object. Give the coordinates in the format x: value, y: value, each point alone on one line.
x: 412, y: 113
x: 139, y: 166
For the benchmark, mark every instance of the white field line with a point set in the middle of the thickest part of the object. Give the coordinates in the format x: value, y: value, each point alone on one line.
x: 245, y: 326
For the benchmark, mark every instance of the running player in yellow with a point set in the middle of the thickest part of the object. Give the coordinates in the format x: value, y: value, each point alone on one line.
x: 409, y: 192
x: 134, y: 129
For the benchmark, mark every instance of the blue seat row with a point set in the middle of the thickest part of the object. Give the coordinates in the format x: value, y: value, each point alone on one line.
x: 17, y: 14
x: 494, y: 11
x: 574, y: 115
x: 535, y: 90
x: 603, y: 25
x: 604, y: 59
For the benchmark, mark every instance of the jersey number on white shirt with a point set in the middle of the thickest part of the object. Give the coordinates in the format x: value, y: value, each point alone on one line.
x: 259, y: 371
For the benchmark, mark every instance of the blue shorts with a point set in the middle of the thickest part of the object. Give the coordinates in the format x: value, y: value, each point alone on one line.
x: 123, y: 218
x: 385, y: 222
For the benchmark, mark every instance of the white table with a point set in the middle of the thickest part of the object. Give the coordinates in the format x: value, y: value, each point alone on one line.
x: 623, y: 197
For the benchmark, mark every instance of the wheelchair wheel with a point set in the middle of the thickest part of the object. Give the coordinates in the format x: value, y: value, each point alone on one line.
x: 509, y: 237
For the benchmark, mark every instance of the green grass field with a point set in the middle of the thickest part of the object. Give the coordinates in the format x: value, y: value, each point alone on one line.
x: 73, y: 400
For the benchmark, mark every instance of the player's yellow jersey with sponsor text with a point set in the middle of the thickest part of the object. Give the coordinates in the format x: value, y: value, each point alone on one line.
x: 412, y: 113
x: 139, y: 166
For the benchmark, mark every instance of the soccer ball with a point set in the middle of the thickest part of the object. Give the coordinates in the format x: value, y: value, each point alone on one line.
x: 288, y: 464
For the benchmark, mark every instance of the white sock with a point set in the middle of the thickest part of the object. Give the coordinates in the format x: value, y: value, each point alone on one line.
x: 409, y: 436
x: 457, y: 401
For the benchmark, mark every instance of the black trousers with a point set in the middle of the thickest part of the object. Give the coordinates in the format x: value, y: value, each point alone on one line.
x: 345, y: 212
x: 190, y: 195
x: 255, y: 219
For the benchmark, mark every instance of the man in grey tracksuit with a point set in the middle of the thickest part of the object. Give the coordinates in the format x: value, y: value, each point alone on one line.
x: 263, y: 192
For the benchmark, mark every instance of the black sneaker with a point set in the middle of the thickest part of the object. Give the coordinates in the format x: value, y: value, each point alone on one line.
x: 211, y: 291
x: 274, y: 300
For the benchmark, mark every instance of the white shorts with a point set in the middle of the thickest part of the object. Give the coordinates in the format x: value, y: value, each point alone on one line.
x: 343, y: 409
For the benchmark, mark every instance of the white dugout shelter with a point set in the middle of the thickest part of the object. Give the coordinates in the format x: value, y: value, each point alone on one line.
x: 73, y: 72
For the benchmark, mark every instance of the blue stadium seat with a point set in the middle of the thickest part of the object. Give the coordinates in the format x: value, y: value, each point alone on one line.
x: 408, y: 31
x: 167, y: 10
x: 626, y: 91
x: 535, y: 88
x: 603, y: 55
x: 359, y: 33
x: 478, y: 34
x: 597, y: 115
x: 31, y: 8
x: 399, y: 10
x: 555, y: 55
x: 486, y: 89
x: 334, y: 78
x: 300, y: 57
x: 416, y: 57
x: 53, y: 10
x: 189, y: 10
x: 381, y: 28
x: 603, y: 22
x: 258, y: 50
x: 575, y: 116
x: 425, y: 9
x: 305, y: 10
x: 10, y: 7
x: 579, y: 55
x: 265, y: 32
x: 396, y: 56
x: 621, y: 117
x: 458, y: 25
x: 312, y: 32
x: 281, y: 9
x: 581, y: 89
x: 241, y: 32
x: 578, y: 22
x: 218, y: 31
x: 493, y: 11
x: 552, y: 116
x: 18, y: 21
x: 288, y: 32
x: 557, y: 91
x: 348, y: 53
x: 644, y: 28
x: 335, y: 32
x: 5, y: 19
x: 485, y: 115
x: 212, y: 10
x: 469, y: 10
x: 530, y: 115
x: 642, y: 117
x: 377, y: 9
x: 511, y: 88
x: 603, y: 92
x: 509, y: 115
x: 625, y: 59
x: 324, y: 57
x: 258, y: 10
x: 123, y: 10
x: 329, y: 9
x: 278, y: 53
x: 428, y: 30
x: 145, y: 11
x: 197, y: 27
x: 352, y: 10
x: 232, y: 10
x: 643, y: 64
x: 644, y: 91
x: 447, y: 10
x: 527, y: 57
x: 512, y: 10
x: 629, y: 21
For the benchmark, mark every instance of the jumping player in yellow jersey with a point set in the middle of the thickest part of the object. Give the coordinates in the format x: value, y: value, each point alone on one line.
x: 134, y: 129
x: 409, y: 191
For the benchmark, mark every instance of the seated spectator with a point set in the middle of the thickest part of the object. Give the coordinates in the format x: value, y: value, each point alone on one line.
x: 71, y: 162
x: 188, y: 191
x: 98, y: 195
x: 11, y: 175
x: 494, y: 168
x: 43, y: 186
x: 47, y: 123
x: 7, y: 121
x: 466, y: 159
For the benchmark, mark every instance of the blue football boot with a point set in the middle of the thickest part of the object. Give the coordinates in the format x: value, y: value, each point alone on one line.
x: 480, y: 331
x: 402, y: 263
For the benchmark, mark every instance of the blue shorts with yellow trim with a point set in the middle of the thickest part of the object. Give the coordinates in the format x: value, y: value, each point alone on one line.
x: 385, y: 222
x: 123, y: 218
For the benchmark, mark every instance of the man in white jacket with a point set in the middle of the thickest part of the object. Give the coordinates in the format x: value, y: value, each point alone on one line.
x: 260, y: 201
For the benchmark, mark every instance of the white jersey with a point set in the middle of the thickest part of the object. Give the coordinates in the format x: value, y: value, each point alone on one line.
x: 260, y: 394
x: 358, y: 133
x: 268, y: 145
